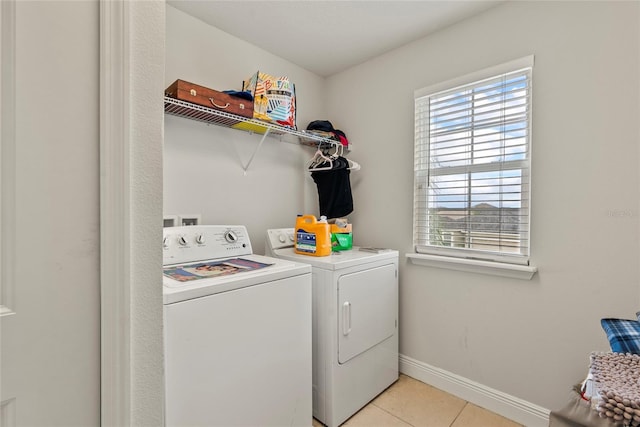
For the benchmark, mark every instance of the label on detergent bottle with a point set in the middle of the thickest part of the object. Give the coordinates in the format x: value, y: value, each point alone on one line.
x: 306, y: 242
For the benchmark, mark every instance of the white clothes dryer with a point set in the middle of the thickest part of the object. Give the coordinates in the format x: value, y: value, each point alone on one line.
x: 355, y: 325
x: 237, y: 331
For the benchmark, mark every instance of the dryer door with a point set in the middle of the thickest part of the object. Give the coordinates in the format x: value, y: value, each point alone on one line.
x: 367, y: 309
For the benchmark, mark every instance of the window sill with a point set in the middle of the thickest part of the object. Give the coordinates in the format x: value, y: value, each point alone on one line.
x: 522, y: 272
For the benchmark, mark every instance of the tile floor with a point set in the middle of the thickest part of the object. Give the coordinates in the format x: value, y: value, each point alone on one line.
x: 410, y: 402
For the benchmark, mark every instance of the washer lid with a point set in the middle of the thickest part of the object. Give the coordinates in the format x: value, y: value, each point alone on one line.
x: 337, y: 260
x: 183, y: 282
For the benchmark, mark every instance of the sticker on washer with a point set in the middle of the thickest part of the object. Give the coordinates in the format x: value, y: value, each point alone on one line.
x: 209, y: 269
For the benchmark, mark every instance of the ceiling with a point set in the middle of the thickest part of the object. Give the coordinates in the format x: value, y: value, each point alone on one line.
x: 326, y: 37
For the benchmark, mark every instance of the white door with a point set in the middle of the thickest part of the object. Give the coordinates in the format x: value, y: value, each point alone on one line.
x: 368, y: 308
x: 50, y: 332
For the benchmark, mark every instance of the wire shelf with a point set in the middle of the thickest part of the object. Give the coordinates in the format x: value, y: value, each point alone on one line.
x: 179, y: 108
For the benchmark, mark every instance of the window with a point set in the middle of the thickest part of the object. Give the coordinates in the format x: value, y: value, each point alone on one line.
x: 472, y: 165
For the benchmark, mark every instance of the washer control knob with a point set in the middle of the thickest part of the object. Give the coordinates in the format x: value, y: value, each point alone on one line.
x: 231, y: 236
x: 182, y: 241
x: 200, y: 239
x: 282, y: 238
x: 291, y: 237
x: 165, y: 242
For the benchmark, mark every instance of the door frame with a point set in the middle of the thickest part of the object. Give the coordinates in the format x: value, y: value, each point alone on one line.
x: 132, y: 58
x: 115, y: 208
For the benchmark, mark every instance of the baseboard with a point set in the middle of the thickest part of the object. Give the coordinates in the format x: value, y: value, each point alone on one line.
x: 508, y: 406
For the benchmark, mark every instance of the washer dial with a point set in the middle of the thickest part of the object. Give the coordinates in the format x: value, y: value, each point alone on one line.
x: 231, y: 236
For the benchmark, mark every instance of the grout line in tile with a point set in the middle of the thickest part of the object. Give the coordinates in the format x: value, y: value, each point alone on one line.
x: 393, y: 415
x: 454, y: 420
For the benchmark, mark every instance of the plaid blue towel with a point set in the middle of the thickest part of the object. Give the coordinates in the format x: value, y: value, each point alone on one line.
x: 623, y: 335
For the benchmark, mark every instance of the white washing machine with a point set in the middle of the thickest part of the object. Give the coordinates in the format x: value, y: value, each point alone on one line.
x: 237, y: 331
x: 355, y: 325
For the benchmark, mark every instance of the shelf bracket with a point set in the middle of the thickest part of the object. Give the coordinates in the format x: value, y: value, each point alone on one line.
x: 264, y: 136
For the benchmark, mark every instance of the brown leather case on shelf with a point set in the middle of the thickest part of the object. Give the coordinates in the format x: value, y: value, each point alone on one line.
x: 211, y: 98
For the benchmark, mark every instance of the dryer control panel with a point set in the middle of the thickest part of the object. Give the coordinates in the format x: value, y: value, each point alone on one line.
x: 204, y: 242
x: 279, y: 238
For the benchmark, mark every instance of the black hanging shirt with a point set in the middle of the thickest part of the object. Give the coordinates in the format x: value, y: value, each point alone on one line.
x: 334, y: 190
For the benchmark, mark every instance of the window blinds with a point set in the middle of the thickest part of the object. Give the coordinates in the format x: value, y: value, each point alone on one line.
x: 472, y: 161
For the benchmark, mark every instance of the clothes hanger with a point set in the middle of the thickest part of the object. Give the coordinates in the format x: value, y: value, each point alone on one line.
x: 339, y: 151
x: 351, y: 165
x: 319, y: 156
x: 320, y: 162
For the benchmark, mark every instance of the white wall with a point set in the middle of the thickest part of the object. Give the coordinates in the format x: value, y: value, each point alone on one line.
x: 203, y: 166
x: 530, y: 339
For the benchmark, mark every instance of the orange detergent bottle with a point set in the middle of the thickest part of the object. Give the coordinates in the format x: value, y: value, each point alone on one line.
x: 313, y: 237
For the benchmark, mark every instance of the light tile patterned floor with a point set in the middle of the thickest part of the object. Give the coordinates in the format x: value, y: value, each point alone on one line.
x: 410, y: 402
